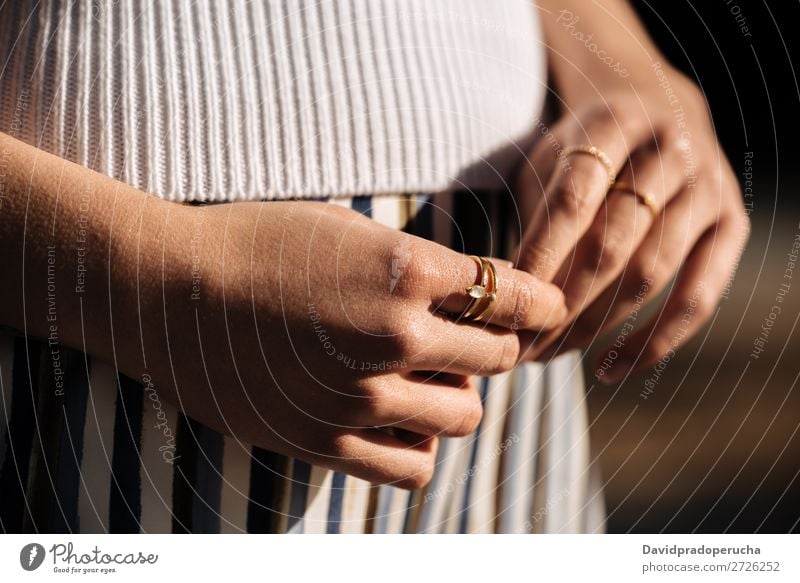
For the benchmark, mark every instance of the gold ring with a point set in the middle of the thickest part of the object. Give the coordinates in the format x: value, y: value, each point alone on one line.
x: 483, y: 294
x: 592, y: 151
x: 647, y: 199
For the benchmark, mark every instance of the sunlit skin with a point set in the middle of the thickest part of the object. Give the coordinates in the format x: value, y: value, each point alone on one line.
x: 605, y: 249
x: 293, y: 326
x: 289, y: 325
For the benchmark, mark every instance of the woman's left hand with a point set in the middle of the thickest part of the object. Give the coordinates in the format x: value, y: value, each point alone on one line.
x: 611, y: 252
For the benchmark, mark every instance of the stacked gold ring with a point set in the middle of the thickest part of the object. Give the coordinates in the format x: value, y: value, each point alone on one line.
x: 592, y: 151
x: 645, y: 197
x: 483, y: 294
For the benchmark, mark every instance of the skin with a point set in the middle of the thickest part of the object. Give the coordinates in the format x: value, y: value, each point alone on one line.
x: 283, y: 324
x: 607, y: 251
x: 262, y: 267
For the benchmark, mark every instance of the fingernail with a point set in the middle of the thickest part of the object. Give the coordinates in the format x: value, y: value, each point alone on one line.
x: 614, y: 372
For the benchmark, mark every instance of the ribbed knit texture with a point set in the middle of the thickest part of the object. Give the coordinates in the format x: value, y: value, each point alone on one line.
x: 263, y: 99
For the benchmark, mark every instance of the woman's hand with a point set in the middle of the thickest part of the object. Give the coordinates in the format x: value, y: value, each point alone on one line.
x: 300, y: 327
x: 290, y: 326
x: 610, y: 252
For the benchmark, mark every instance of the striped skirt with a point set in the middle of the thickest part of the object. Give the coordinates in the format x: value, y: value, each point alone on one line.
x: 85, y: 449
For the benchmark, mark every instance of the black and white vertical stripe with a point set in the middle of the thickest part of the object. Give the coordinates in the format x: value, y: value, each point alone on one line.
x: 92, y: 457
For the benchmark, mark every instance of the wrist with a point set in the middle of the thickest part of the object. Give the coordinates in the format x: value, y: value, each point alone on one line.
x: 655, y: 78
x: 596, y: 49
x: 150, y: 283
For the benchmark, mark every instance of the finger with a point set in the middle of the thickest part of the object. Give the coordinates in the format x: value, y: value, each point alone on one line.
x: 538, y: 168
x: 575, y: 193
x: 650, y: 270
x: 425, y: 404
x: 691, y: 303
x: 522, y: 301
x: 618, y: 230
x: 505, y: 263
x: 381, y: 458
x: 620, y: 226
x: 599, y: 257
x: 465, y: 348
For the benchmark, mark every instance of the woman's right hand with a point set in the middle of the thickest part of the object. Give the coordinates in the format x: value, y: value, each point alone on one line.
x: 308, y: 329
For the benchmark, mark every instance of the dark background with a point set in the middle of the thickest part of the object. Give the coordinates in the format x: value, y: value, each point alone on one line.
x: 716, y: 448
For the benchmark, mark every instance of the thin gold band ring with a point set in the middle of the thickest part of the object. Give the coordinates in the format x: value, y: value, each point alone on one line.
x: 645, y: 197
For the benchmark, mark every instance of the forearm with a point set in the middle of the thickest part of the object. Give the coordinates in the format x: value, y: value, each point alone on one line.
x: 595, y: 46
x: 70, y: 244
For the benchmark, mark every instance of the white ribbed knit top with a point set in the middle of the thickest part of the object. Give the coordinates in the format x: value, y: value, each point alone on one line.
x: 262, y: 99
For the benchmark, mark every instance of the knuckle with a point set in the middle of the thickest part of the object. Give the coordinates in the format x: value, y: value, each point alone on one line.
x: 538, y: 259
x: 609, y: 110
x: 623, y: 114
x: 608, y: 251
x: 731, y: 185
x: 336, y: 446
x: 523, y: 305
x: 710, y: 186
x: 669, y: 137
x: 367, y: 408
x: 471, y: 418
x: 573, y: 198
x: 744, y: 225
x: 409, y: 337
x: 409, y: 267
x: 350, y: 407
